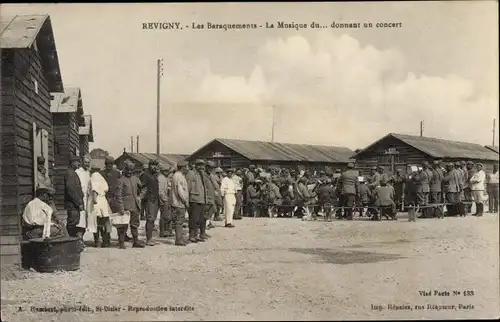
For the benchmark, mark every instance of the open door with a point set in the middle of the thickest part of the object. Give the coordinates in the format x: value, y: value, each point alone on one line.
x: 40, y: 148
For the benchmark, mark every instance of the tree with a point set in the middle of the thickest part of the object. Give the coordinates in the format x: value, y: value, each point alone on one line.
x: 99, y: 154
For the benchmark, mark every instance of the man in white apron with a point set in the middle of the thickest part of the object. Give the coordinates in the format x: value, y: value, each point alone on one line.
x: 99, y: 210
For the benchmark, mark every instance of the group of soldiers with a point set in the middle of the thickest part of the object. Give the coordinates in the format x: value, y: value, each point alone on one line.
x: 203, y: 193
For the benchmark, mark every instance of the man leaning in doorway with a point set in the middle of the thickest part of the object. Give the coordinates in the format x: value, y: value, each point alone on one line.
x: 149, y: 180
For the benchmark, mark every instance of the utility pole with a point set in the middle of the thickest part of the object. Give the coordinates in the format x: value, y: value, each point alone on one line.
x: 159, y: 74
x: 272, y: 129
x: 421, y: 128
x: 137, y: 143
x: 494, y: 132
x: 131, y: 144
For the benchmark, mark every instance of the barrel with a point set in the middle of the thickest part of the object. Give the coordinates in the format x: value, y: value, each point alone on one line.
x: 58, y: 254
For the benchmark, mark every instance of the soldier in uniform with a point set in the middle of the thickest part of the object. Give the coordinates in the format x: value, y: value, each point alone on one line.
x: 421, y: 179
x: 73, y: 199
x: 467, y: 185
x: 152, y: 198
x: 436, y: 188
x: 166, y: 222
x: 399, y: 182
x: 196, y: 180
x: 128, y: 195
x: 451, y: 189
x: 461, y: 196
x: 348, y: 186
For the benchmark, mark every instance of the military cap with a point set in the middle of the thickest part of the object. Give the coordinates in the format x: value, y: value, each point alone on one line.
x: 218, y: 170
x: 47, y: 190
x: 458, y: 163
x: 129, y: 164
x: 252, y: 166
x: 322, y: 172
x: 470, y: 163
x: 258, y: 181
x: 340, y: 171
x: 40, y: 159
x: 451, y: 164
x: 181, y: 164
x: 199, y: 161
x: 230, y: 170
x: 211, y: 164
x: 109, y: 160
x: 153, y: 162
x: 463, y: 163
x: 350, y: 165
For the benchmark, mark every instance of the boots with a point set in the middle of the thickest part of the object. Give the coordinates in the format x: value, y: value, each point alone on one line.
x: 97, y: 243
x: 121, y: 237
x: 106, y: 240
x: 179, y: 240
x: 192, y: 237
x: 149, y: 233
x: 480, y: 208
x: 135, y: 237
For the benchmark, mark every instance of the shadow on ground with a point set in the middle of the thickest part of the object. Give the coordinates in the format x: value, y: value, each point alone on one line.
x: 330, y: 256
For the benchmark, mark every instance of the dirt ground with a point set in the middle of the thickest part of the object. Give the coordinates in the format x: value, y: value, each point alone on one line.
x: 281, y: 269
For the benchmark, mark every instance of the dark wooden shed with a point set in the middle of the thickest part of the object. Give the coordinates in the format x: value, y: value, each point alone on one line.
x: 30, y: 72
x: 229, y: 153
x: 398, y: 151
x: 67, y: 117
x: 86, y: 135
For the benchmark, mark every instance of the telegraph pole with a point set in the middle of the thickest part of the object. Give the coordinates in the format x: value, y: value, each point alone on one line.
x: 421, y: 128
x: 159, y: 74
x: 137, y: 143
x: 494, y: 132
x: 131, y: 144
x: 272, y: 129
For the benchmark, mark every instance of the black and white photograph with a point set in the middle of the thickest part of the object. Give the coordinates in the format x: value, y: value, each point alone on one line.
x: 249, y: 161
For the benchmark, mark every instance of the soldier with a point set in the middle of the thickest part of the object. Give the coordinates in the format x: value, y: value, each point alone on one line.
x: 196, y: 180
x: 436, y: 188
x: 384, y: 198
x: 238, y: 184
x: 422, y: 179
x: 493, y: 188
x: 253, y: 195
x: 477, y: 185
x: 73, y: 199
x: 214, y: 198
x: 399, y: 182
x: 384, y: 175
x: 152, y: 198
x: 348, y: 185
x: 461, y: 195
x: 166, y: 223
x: 451, y: 188
x: 111, y: 175
x: 128, y: 195
x: 179, y: 200
x: 467, y: 185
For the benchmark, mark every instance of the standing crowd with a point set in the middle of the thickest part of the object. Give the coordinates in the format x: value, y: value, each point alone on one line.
x: 203, y: 193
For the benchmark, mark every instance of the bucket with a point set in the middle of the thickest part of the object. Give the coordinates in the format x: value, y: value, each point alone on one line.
x: 58, y: 254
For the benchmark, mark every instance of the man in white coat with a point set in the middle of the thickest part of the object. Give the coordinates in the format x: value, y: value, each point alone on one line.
x: 84, y: 174
x: 228, y: 193
x: 477, y: 185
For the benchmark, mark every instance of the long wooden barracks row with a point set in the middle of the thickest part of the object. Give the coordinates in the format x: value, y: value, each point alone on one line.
x: 39, y: 117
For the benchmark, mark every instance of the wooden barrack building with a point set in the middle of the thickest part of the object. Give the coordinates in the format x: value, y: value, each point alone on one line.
x: 30, y: 72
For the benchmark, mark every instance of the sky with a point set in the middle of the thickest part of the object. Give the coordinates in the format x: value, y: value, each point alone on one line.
x: 329, y: 86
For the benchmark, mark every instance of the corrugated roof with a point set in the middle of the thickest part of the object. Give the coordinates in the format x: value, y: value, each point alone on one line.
x: 439, y: 148
x: 274, y: 151
x: 493, y: 148
x: 21, y: 31
x: 66, y: 102
x: 165, y: 160
x: 87, y: 128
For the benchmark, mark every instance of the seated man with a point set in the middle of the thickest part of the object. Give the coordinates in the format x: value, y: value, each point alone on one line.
x: 37, y: 213
x: 384, y: 198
